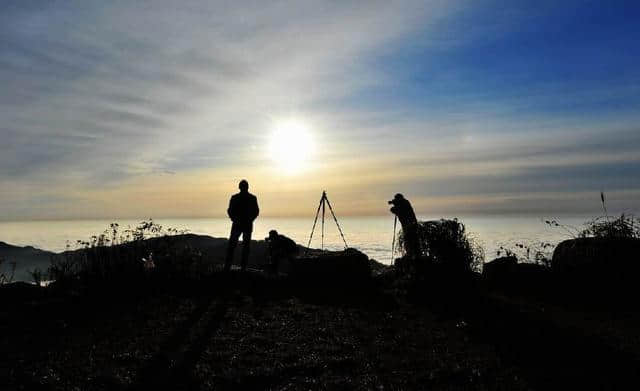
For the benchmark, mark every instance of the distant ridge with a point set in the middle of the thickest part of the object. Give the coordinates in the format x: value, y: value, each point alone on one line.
x: 26, y: 258
x: 212, y: 249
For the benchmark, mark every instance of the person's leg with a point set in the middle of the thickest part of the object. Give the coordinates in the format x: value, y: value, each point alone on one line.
x: 231, y: 246
x: 412, y: 242
x: 246, y: 245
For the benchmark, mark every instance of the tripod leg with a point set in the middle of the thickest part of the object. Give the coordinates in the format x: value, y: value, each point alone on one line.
x: 337, y: 224
x: 323, y: 200
x: 393, y: 242
x: 315, y: 221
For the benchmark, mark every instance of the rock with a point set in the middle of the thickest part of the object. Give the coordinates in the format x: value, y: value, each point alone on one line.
x: 346, y: 269
x: 522, y: 278
x: 597, y: 257
x: 531, y: 278
x: 500, y: 269
x: 19, y: 292
x: 598, y: 271
x: 530, y: 270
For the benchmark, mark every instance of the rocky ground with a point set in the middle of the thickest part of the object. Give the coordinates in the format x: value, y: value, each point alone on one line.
x: 212, y: 339
x: 252, y: 332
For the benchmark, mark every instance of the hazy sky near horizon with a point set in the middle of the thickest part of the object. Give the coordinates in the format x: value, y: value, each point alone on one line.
x: 157, y: 108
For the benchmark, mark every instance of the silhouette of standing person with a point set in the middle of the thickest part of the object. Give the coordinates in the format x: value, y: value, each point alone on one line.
x: 403, y: 209
x: 243, y: 209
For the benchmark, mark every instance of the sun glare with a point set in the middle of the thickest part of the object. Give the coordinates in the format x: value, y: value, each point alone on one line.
x: 290, y: 146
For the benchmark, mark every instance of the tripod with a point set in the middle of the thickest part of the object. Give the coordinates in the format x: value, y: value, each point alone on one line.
x: 325, y: 201
x: 393, y: 242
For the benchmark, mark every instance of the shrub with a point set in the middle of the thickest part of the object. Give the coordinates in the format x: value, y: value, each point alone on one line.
x: 604, y: 227
x: 539, y: 253
x: 621, y: 227
x: 64, y: 267
x: 36, y: 275
x: 7, y: 277
x: 446, y: 242
x: 624, y: 227
x: 113, y: 254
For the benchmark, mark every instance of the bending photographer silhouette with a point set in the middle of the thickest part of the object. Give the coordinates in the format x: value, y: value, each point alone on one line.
x: 403, y: 209
x: 281, y: 248
x: 243, y: 209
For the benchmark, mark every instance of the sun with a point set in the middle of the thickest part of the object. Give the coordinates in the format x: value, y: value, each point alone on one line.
x: 291, y: 145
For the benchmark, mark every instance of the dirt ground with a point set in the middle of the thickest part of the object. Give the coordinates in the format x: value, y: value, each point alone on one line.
x: 237, y: 340
x: 258, y: 333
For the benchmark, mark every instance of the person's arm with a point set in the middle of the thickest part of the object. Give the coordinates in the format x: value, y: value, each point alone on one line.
x: 256, y: 209
x: 231, y: 210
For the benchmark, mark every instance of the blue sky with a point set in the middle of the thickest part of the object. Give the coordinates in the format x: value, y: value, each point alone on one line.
x: 138, y: 109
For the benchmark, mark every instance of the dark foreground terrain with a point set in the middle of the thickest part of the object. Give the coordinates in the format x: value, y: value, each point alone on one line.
x: 252, y: 331
x: 242, y: 335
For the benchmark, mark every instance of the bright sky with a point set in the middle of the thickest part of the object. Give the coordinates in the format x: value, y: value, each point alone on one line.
x: 157, y: 109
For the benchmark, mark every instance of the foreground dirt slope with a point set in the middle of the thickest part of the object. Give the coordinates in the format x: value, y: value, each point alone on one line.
x: 213, y: 341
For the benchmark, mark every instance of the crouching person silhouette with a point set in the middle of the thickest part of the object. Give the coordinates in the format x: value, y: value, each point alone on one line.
x: 281, y: 248
x: 243, y: 210
x: 403, y: 209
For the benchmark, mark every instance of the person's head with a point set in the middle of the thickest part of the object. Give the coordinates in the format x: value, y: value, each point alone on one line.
x: 396, y: 198
x: 273, y: 235
x: 243, y: 185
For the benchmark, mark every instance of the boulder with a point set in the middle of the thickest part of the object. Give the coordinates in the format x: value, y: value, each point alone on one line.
x: 337, y: 267
x: 522, y: 278
x: 597, y: 257
x: 597, y: 271
x: 500, y: 269
x: 531, y: 278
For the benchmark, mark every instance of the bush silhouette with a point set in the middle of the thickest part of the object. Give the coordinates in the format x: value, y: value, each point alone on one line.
x: 446, y: 243
x: 605, y: 227
x: 126, y: 255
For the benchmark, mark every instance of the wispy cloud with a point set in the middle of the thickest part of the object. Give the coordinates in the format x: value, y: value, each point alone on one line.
x: 120, y: 101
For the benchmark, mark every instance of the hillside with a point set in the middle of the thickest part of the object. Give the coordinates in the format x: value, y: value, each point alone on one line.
x: 211, y: 249
x: 26, y: 258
